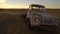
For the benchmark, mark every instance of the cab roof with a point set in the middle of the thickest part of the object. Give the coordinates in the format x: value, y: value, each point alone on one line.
x: 36, y: 5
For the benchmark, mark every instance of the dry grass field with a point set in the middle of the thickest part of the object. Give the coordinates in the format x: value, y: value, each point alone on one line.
x: 12, y: 22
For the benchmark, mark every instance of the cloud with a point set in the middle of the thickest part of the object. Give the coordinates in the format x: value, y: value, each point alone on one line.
x: 53, y: 6
x: 7, y: 6
x: 4, y: 4
x: 3, y: 1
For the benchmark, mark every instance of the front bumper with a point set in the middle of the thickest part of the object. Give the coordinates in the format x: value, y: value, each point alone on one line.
x: 46, y: 27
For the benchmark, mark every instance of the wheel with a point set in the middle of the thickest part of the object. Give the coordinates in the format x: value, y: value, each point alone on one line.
x: 29, y: 24
x: 55, y: 30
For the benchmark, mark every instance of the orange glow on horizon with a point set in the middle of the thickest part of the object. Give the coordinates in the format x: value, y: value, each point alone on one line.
x: 19, y: 6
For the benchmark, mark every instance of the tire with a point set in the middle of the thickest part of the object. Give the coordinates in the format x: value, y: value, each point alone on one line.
x: 29, y: 24
x: 55, y: 30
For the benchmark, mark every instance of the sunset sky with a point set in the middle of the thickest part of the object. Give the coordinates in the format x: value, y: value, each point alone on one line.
x: 26, y: 3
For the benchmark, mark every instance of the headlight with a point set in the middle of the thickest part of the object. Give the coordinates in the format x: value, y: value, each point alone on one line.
x: 36, y: 19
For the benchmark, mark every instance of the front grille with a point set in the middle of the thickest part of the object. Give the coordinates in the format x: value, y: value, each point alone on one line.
x: 48, y: 21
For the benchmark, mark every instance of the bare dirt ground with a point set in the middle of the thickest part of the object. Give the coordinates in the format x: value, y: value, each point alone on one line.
x: 12, y: 22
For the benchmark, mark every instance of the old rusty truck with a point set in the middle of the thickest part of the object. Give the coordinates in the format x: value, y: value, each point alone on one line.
x: 39, y: 18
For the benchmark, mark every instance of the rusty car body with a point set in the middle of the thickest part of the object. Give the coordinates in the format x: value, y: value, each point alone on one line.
x: 39, y: 18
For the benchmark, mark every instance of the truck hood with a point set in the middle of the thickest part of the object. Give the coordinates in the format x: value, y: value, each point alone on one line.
x: 46, y: 15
